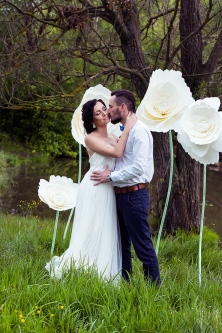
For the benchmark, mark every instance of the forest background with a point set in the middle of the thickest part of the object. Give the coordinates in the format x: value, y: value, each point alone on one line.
x: 52, y: 51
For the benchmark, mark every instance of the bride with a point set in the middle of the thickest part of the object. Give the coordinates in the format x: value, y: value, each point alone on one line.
x: 95, y: 240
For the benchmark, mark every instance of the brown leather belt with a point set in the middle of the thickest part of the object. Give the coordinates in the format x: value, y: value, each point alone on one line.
x: 128, y: 189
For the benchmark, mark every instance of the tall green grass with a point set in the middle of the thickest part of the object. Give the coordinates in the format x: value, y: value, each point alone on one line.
x: 30, y: 301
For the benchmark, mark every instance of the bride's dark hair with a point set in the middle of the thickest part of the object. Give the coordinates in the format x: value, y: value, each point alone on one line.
x: 87, y: 114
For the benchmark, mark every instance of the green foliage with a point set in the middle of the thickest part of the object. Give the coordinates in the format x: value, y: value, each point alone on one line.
x: 54, y: 135
x: 6, y: 159
x: 83, y: 302
x: 43, y: 132
x: 42, y: 64
x: 3, y: 161
x: 3, y: 172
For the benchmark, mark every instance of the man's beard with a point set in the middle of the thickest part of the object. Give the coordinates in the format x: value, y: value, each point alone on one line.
x: 118, y: 117
x: 116, y: 120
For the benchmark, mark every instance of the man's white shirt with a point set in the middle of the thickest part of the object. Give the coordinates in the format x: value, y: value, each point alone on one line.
x: 136, y: 165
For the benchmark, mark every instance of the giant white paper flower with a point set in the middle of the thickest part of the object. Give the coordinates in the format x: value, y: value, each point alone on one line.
x: 59, y: 193
x: 167, y: 97
x: 97, y: 92
x: 200, y: 130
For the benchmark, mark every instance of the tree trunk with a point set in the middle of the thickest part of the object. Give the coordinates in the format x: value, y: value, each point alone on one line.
x: 125, y: 20
x: 191, y: 51
x: 183, y: 209
x: 189, y: 188
x: 184, y: 212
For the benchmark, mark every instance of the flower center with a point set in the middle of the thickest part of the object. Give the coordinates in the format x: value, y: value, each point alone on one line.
x: 203, y: 126
x: 59, y: 199
x: 162, y: 108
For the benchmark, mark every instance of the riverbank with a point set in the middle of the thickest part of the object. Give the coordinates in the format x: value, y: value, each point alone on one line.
x: 14, y: 153
x: 11, y: 157
x: 81, y: 302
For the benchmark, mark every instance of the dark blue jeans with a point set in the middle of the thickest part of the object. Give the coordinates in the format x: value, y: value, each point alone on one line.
x: 132, y: 211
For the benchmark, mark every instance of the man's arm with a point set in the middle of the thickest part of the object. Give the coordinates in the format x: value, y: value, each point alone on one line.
x: 100, y: 176
x: 142, y: 144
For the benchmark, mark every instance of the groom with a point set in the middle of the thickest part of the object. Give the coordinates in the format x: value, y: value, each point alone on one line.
x: 132, y: 171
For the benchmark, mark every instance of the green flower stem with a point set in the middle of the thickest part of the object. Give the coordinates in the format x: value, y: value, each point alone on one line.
x: 79, y: 178
x: 201, y: 222
x: 168, y: 192
x: 67, y: 224
x: 80, y: 163
x: 55, y: 230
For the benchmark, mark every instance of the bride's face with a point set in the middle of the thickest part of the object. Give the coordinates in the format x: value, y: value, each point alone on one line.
x: 100, y: 115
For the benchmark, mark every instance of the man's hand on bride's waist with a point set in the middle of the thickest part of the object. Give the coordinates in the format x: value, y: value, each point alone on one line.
x: 100, y: 176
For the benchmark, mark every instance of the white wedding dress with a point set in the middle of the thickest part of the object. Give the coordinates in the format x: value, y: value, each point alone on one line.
x: 95, y: 239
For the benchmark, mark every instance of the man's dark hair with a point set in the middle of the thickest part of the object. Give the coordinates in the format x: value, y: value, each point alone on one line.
x: 125, y: 96
x: 87, y: 114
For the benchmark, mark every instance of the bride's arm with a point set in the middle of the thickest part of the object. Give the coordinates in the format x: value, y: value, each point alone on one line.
x: 100, y: 147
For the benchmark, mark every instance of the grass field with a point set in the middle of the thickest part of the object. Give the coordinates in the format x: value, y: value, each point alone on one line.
x: 30, y: 301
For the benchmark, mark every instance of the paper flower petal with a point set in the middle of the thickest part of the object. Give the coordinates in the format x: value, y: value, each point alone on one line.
x: 59, y: 193
x: 199, y: 150
x: 200, y: 130
x: 166, y: 99
x: 202, y: 122
x: 77, y: 128
x: 217, y: 145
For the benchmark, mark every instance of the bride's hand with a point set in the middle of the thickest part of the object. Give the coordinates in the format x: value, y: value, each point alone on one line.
x: 131, y: 119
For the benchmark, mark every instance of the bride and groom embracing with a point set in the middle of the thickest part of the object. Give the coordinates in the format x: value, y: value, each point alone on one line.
x: 112, y: 203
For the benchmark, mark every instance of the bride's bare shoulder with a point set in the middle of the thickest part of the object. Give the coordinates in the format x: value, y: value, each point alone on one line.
x: 90, y: 137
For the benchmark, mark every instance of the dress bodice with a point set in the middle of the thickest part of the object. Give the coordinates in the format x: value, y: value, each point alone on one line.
x: 99, y: 162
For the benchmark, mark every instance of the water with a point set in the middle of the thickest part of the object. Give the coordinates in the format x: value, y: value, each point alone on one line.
x: 213, y: 211
x: 25, y: 180
x: 23, y: 187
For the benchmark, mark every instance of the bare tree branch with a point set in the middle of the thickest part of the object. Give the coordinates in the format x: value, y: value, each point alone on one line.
x: 153, y: 18
x: 170, y: 28
x: 48, y: 21
x: 205, y: 22
x: 214, y: 55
